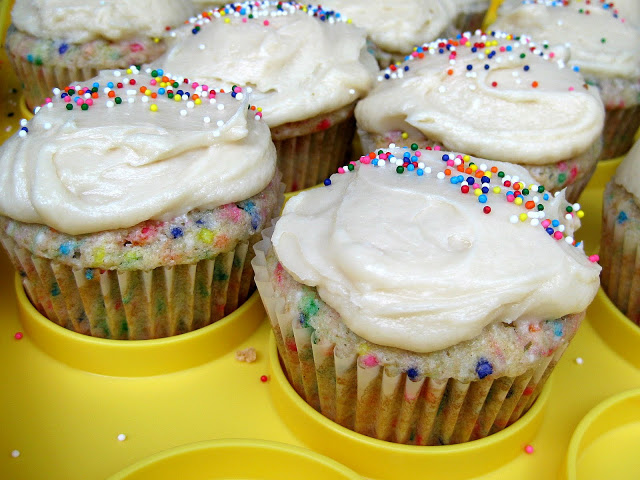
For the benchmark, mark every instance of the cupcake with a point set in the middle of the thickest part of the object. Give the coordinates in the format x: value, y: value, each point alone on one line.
x: 130, y: 214
x: 304, y: 66
x: 470, y: 14
x: 54, y: 43
x: 409, y: 309
x: 621, y: 236
x: 493, y: 97
x: 394, y: 28
x: 600, y: 45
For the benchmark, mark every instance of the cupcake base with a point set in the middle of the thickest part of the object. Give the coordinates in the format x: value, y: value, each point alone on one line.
x: 620, y: 128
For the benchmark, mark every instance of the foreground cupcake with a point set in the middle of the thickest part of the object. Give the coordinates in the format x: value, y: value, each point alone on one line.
x: 600, y: 45
x: 494, y: 97
x: 53, y: 43
x: 130, y: 214
x: 305, y: 67
x: 621, y: 236
x: 423, y: 298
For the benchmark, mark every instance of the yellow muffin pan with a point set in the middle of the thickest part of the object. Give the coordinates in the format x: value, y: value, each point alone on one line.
x: 74, y: 407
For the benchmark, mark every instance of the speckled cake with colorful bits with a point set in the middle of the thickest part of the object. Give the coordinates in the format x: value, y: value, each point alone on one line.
x: 129, y: 204
x: 600, y: 44
x: 306, y: 67
x: 493, y: 96
x: 620, y: 240
x: 54, y: 43
x: 424, y: 297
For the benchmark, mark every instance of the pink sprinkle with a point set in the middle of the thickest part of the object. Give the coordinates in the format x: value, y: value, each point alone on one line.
x: 449, y: 163
x: 383, y: 156
x: 436, y: 148
x: 89, y: 102
x: 594, y: 258
x: 510, y: 198
x: 18, y: 335
x: 545, y: 223
x: 551, y: 55
x: 47, y: 100
x: 414, y: 54
x: 79, y: 101
x: 194, y: 85
x: 370, y: 361
x: 244, y: 20
x: 571, y: 89
x: 266, y: 23
x: 340, y: 170
x: 558, y: 235
x: 153, y: 81
x: 503, y: 49
x: 418, y: 153
x: 205, y: 88
x: 528, y: 449
x: 365, y: 160
x: 67, y: 99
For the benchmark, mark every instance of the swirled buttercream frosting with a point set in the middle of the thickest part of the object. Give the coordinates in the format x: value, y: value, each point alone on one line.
x: 298, y: 61
x: 79, y: 22
x: 126, y: 147
x: 421, y: 250
x: 491, y: 95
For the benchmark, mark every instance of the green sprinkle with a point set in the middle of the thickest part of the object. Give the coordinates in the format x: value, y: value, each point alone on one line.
x: 540, y: 189
x: 399, y: 169
x: 522, y: 55
x: 118, y: 100
x: 414, y: 146
x: 562, y: 178
x: 350, y: 167
x: 69, y: 106
x: 569, y: 209
x: 501, y: 174
x: 540, y: 207
x: 84, y: 106
x: 525, y: 191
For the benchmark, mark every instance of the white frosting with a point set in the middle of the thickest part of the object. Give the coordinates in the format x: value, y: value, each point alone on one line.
x: 628, y: 172
x: 409, y: 261
x: 107, y: 168
x: 397, y: 26
x: 565, y: 27
x: 493, y: 113
x: 79, y: 22
x: 297, y: 65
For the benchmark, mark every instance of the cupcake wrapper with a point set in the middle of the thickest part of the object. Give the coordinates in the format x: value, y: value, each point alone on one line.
x: 307, y: 159
x: 384, y: 404
x: 136, y: 304
x: 620, y: 127
x: 573, y: 173
x: 620, y: 250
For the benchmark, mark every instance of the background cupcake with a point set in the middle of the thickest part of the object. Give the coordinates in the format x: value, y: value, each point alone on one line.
x: 493, y: 97
x: 304, y: 66
x: 388, y: 315
x: 53, y: 43
x: 621, y: 236
x: 605, y: 49
x: 470, y: 14
x: 130, y: 214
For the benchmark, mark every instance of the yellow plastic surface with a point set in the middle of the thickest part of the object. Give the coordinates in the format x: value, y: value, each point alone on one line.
x: 66, y: 398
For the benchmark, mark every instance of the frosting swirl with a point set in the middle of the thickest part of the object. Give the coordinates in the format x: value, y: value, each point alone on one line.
x: 411, y: 261
x: 135, y: 153
x: 488, y: 95
x: 297, y: 65
x: 79, y: 22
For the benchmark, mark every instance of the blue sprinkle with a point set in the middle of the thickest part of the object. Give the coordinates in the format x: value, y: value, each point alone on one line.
x: 406, y: 68
x: 63, y: 48
x: 65, y: 248
x: 177, y: 232
x: 526, y: 68
x: 412, y: 373
x: 557, y: 328
x: 374, y: 162
x: 445, y: 157
x: 622, y: 217
x: 250, y: 208
x: 406, y: 155
x: 486, y: 66
x: 95, y: 85
x: 470, y: 180
x: 546, y: 196
x: 161, y: 91
x: 200, y: 222
x: 469, y: 67
x: 410, y: 167
x: 576, y: 68
x: 485, y: 179
x: 549, y: 230
x: 88, y: 274
x: 387, y: 76
x: 55, y: 290
x: 160, y: 71
x: 454, y: 180
x: 327, y: 182
x: 30, y: 58
x: 555, y: 223
x: 482, y: 199
x: 485, y: 189
x: 420, y: 172
x: 110, y: 84
x: 483, y: 368
x: 414, y: 159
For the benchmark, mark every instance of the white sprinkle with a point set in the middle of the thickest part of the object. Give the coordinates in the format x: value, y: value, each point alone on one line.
x: 579, y: 361
x: 536, y: 199
x: 190, y: 104
x: 109, y: 104
x: 249, y: 89
x: 421, y: 165
x: 183, y: 113
x: 576, y: 207
x: 116, y: 73
x: 47, y: 126
x: 515, y: 178
x: 352, y: 91
x: 131, y: 92
x: 472, y: 87
x: 131, y: 100
x: 220, y: 123
x: 561, y: 228
x: 457, y: 161
x: 207, y: 119
x: 220, y: 106
x: 212, y: 101
x: 381, y: 163
x: 440, y: 175
x: 380, y: 78
x: 569, y: 240
x: 216, y: 133
x: 106, y: 90
x: 392, y: 145
x: 257, y: 117
x: 15, y: 453
x: 568, y: 216
x: 239, y: 96
x: 56, y: 91
x: 37, y: 109
x: 483, y: 167
x: 23, y: 122
x: 513, y: 219
x: 427, y: 169
x: 441, y: 89
x: 122, y: 437
x: 535, y: 222
x: 201, y: 46
x: 144, y: 99
x: 22, y: 133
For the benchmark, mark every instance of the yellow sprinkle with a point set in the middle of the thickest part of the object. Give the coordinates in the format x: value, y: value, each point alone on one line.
x: 580, y: 213
x: 518, y: 201
x: 478, y: 192
x: 163, y: 84
x: 468, y: 44
x: 362, y: 349
x: 129, y: 71
x: 259, y: 109
x: 197, y: 101
x: 487, y: 174
x: 153, y: 107
x: 147, y: 92
x: 496, y: 189
x: 222, y: 13
x: 227, y: 20
x: 99, y: 254
x: 156, y: 40
x: 523, y: 216
x: 466, y: 158
x: 132, y: 256
x: 487, y: 51
x: 349, y: 21
x: 404, y: 135
x: 205, y: 235
x: 177, y: 98
x: 474, y: 168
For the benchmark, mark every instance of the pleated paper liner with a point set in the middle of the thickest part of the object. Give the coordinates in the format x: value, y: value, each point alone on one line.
x: 237, y: 459
x: 311, y: 150
x: 620, y: 127
x: 605, y: 443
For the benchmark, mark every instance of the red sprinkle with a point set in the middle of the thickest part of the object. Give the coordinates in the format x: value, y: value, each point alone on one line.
x: 18, y: 335
x: 264, y: 378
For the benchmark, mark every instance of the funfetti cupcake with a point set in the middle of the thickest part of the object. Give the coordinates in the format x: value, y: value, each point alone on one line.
x: 53, y: 43
x: 494, y: 97
x: 604, y: 48
x: 424, y: 297
x: 304, y: 66
x: 393, y: 27
x: 129, y: 207
x: 621, y: 236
